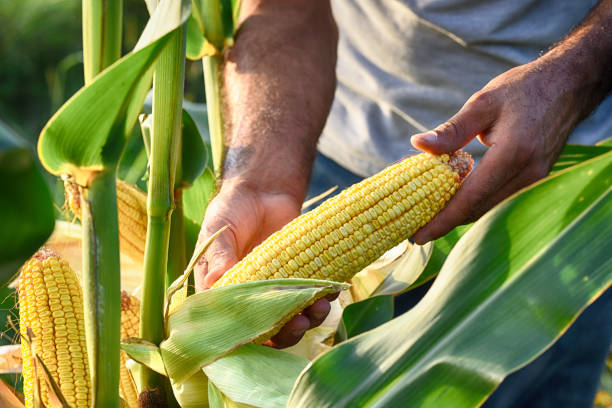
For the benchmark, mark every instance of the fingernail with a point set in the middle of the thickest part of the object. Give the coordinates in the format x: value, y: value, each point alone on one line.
x: 427, y: 137
x: 422, y: 239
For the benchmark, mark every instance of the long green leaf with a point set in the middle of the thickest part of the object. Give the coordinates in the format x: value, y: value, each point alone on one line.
x: 256, y: 375
x: 510, y: 287
x: 26, y: 207
x: 210, y: 324
x: 90, y: 131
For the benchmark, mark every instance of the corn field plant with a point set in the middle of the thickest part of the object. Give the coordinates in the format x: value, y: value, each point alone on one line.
x: 170, y: 347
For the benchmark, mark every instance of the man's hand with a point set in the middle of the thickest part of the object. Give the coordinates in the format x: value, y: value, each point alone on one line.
x: 525, y: 116
x: 525, y: 119
x: 251, y: 216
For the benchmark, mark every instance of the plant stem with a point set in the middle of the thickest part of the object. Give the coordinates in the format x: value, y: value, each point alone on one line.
x: 176, y: 252
x: 165, y: 152
x: 101, y: 35
x: 101, y: 275
x: 101, y: 282
x: 212, y: 67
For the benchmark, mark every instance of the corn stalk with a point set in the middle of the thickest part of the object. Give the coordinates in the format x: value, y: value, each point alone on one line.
x: 212, y: 66
x: 216, y: 19
x: 101, y: 275
x: 101, y: 35
x: 164, y: 157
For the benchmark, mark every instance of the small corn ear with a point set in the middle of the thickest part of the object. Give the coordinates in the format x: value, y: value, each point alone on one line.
x: 51, y: 306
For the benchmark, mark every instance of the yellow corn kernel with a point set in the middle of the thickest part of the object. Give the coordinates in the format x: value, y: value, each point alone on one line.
x: 130, y: 326
x: 396, y: 203
x: 60, y: 345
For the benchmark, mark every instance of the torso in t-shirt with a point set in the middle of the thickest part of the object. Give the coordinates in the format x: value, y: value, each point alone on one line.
x: 405, y: 66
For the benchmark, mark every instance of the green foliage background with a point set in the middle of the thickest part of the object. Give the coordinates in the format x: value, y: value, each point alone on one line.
x: 40, y: 48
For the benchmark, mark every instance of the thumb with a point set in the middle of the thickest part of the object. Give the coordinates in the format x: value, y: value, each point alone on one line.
x: 218, y: 258
x: 474, y: 118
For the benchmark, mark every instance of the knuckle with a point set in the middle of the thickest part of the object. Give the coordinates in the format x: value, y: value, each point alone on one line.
x: 483, y: 99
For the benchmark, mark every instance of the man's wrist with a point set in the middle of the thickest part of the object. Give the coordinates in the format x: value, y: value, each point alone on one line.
x: 580, y: 64
x: 254, y: 170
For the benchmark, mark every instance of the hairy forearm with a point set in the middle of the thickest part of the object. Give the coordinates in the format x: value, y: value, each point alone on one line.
x: 583, y: 59
x: 279, y: 80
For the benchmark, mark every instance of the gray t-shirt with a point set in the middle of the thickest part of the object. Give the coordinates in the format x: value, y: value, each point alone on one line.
x: 405, y: 66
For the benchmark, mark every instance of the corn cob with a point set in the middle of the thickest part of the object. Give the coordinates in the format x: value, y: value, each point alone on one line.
x: 51, y: 305
x: 130, y: 326
x: 349, y: 231
x: 132, y: 215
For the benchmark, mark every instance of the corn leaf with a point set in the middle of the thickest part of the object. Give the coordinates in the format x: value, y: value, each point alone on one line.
x: 576, y: 154
x: 362, y: 316
x: 26, y: 207
x: 145, y: 353
x: 211, y: 324
x: 408, y: 269
x: 215, y: 398
x: 509, y: 288
x: 194, y: 156
x: 441, y: 248
x: 195, y: 201
x: 256, y: 375
x: 197, y: 46
x: 193, y: 392
x: 605, y: 142
x: 216, y: 23
x: 90, y: 131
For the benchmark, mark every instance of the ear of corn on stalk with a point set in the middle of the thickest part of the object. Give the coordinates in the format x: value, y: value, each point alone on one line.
x: 132, y: 215
x: 51, y: 305
x: 130, y: 324
x: 349, y: 231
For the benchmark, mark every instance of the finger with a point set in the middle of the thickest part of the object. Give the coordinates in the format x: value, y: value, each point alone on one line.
x: 291, y: 333
x: 475, y: 117
x: 222, y: 253
x: 474, y: 198
x: 523, y: 179
x: 220, y: 256
x: 317, y: 312
x: 332, y: 296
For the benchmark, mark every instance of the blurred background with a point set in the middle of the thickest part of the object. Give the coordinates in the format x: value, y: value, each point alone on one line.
x: 41, y: 59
